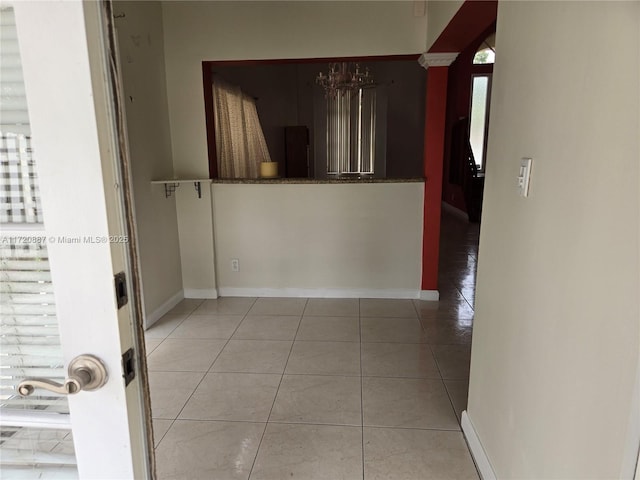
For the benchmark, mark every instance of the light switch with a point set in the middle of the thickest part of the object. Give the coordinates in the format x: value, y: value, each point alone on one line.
x: 524, y: 176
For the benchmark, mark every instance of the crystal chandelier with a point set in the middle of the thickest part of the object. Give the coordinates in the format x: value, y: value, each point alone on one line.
x: 343, y: 77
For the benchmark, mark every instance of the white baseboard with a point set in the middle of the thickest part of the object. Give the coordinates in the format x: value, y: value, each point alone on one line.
x: 477, y: 451
x: 455, y: 211
x: 319, y: 292
x: 159, y: 312
x: 430, y: 295
x: 208, y: 293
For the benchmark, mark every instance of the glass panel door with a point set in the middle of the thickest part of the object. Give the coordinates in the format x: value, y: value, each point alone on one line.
x: 57, y: 258
x: 35, y: 431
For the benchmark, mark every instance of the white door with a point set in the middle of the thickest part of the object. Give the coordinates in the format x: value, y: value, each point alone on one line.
x: 66, y: 232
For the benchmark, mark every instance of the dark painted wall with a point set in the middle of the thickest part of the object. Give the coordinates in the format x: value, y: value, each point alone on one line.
x: 458, y: 105
x: 285, y: 95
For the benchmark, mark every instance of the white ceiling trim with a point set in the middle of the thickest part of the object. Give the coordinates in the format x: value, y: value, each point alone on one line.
x: 427, y: 60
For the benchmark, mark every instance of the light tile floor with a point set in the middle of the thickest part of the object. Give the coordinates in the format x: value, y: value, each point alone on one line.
x: 275, y: 388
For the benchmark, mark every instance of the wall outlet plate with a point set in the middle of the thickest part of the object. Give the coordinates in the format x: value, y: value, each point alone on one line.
x: 524, y: 176
x: 235, y: 265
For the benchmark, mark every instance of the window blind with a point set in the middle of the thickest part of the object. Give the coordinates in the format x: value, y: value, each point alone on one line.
x: 31, y: 442
x: 29, y: 338
x: 19, y: 197
x: 31, y: 453
x: 351, y: 122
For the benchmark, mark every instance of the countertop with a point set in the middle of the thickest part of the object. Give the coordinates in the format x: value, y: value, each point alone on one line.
x: 268, y: 181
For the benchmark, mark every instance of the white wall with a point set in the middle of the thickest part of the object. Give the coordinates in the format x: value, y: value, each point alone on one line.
x: 196, y: 241
x: 197, y: 31
x: 439, y: 14
x: 329, y: 239
x: 143, y: 72
x: 556, y: 333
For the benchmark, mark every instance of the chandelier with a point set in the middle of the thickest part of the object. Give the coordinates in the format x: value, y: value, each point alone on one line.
x: 343, y: 77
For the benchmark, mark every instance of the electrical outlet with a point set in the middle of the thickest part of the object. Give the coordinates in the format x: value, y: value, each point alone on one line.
x: 235, y: 265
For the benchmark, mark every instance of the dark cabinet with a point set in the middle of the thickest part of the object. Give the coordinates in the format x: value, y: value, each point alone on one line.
x: 296, y: 141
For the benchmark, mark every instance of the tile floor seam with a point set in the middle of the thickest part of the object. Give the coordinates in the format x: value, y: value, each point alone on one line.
x: 166, y: 431
x: 153, y: 349
x: 202, y: 315
x: 299, y: 317
x: 315, y: 424
x: 465, y: 298
x: 451, y: 400
x: 405, y: 377
x: 199, y: 383
x: 275, y: 397
x: 196, y: 307
x: 409, y: 343
x: 383, y: 427
x: 179, y: 371
x: 361, y: 394
x: 209, y: 338
x: 435, y: 359
x: 292, y: 374
x: 402, y: 343
x: 172, y: 330
x: 415, y: 307
x: 397, y: 427
x: 319, y: 375
x: 332, y: 341
x: 188, y: 312
x: 214, y: 420
x: 442, y: 379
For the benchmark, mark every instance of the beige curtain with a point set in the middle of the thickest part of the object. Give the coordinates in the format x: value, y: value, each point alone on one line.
x: 239, y: 138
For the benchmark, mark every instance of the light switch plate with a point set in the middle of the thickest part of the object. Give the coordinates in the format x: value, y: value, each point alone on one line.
x: 524, y: 175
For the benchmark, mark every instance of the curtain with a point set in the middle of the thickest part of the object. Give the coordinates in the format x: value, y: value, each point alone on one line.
x: 240, y: 142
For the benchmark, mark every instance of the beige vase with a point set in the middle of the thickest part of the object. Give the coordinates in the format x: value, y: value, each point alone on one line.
x: 268, y: 169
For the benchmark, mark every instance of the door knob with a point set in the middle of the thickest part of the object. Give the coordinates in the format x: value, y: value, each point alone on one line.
x: 85, y: 372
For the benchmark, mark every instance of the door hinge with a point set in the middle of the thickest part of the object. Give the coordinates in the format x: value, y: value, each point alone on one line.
x: 121, y: 289
x: 128, y: 366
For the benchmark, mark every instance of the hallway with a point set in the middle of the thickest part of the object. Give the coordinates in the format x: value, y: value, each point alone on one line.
x: 274, y: 388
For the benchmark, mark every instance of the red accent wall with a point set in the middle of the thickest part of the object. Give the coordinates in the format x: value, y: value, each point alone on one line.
x: 436, y: 108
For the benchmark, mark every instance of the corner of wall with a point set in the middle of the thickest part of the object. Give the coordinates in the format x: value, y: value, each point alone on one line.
x: 141, y: 51
x: 195, y: 229
x: 159, y: 312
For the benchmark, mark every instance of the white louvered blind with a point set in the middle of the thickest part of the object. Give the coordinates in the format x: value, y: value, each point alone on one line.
x: 351, y: 129
x: 19, y: 199
x: 35, y: 440
x: 29, y: 339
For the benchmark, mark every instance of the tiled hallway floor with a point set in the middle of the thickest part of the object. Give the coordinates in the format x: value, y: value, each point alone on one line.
x: 275, y: 388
